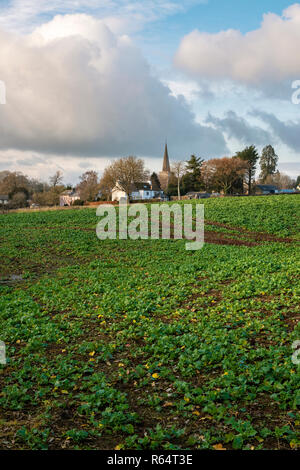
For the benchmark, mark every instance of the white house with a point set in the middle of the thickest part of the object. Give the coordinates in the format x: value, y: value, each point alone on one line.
x: 68, y: 197
x: 3, y: 199
x: 139, y: 191
x: 144, y: 191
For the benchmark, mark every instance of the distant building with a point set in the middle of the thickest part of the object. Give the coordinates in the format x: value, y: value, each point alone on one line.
x: 165, y: 175
x: 140, y: 191
x: 68, y: 197
x: 146, y: 191
x: 118, y: 193
x: 266, y: 189
x: 3, y: 199
x: 286, y: 191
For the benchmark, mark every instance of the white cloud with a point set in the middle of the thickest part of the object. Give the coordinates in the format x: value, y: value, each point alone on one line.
x: 75, y: 88
x: 188, y: 89
x: 268, y: 54
x: 120, y: 15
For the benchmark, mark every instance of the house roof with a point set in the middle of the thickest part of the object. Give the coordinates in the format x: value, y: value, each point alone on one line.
x: 69, y: 192
x: 267, y: 187
x: 4, y: 197
x: 141, y: 186
x: 135, y: 187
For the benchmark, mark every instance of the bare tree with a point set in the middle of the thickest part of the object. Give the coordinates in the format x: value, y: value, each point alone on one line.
x: 223, y: 174
x: 12, y: 181
x: 281, y: 180
x: 18, y: 200
x: 56, y: 179
x: 88, y: 187
x: 108, y: 181
x: 124, y: 172
x: 178, y: 168
x: 4, y: 174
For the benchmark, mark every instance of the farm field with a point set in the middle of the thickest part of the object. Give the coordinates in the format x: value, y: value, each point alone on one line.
x: 124, y: 344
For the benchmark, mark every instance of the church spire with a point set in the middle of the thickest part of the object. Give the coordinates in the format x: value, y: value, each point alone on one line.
x: 165, y: 174
x: 166, y: 163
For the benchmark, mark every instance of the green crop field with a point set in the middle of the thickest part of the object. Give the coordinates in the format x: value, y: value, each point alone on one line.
x: 124, y: 344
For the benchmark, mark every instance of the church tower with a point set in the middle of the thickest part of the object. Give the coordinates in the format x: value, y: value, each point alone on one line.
x: 165, y: 174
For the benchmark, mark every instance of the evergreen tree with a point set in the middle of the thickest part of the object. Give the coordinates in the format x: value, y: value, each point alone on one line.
x: 250, y: 156
x: 155, y: 182
x: 194, y: 165
x: 192, y: 181
x: 268, y: 163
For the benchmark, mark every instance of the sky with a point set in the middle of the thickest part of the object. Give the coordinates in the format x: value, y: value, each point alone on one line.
x: 88, y: 81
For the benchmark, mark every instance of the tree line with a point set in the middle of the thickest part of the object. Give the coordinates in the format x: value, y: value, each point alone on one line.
x: 229, y: 175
